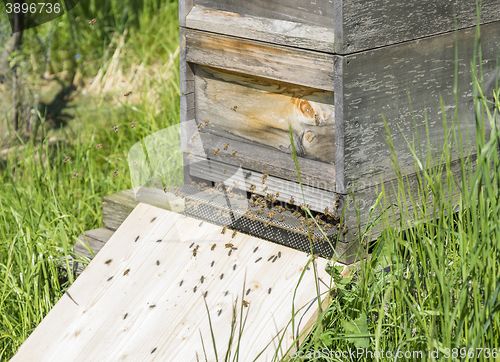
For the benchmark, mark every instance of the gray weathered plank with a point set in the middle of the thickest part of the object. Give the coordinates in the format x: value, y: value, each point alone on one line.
x: 339, y: 124
x: 260, y: 110
x: 270, y: 30
x: 266, y: 160
x: 302, y: 67
x: 95, y: 239
x: 363, y: 25
x: 185, y: 7
x: 185, y: 69
x: 376, y: 84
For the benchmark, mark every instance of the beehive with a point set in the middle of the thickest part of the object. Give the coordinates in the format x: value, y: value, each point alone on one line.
x: 330, y: 70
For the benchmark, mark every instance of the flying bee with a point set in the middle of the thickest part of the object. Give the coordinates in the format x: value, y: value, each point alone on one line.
x: 229, y: 245
x: 127, y: 94
x: 245, y: 303
x: 190, y: 156
x: 115, y: 128
x: 74, y: 175
x: 252, y: 188
x: 194, y: 138
x: 234, y: 234
x: 216, y: 151
x: 207, y: 122
x: 67, y: 159
x: 132, y: 125
x: 292, y: 201
x: 199, y: 127
x: 92, y: 22
x: 98, y: 146
x: 213, y: 247
x: 225, y: 170
x: 234, y: 108
x: 234, y: 153
x: 115, y: 173
x: 226, y: 147
x: 165, y: 188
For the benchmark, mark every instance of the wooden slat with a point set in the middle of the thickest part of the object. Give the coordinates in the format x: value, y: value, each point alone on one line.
x: 367, y: 25
x: 270, y: 30
x: 186, y: 69
x: 376, y: 84
x: 266, y: 160
x: 339, y: 124
x: 95, y: 239
x: 185, y: 6
x: 260, y: 110
x: 302, y: 67
x: 114, y: 319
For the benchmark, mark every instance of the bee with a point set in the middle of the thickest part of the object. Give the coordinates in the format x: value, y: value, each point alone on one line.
x: 226, y: 147
x: 229, y: 245
x: 157, y: 262
x: 207, y: 122
x: 216, y: 152
x: 234, y: 108
x: 277, y: 194
x: 74, y: 175
x: 252, y: 188
x: 115, y: 128
x: 259, y: 259
x: 137, y: 238
x: 111, y: 277
x: 271, y: 214
x: 336, y: 206
x: 245, y: 303
x: 154, y: 350
x: 165, y: 189
x: 345, y: 230
x: 282, y: 218
x: 223, y: 231
x: 126, y: 272
x: 269, y: 291
x: 299, y: 228
x: 132, y: 125
x: 127, y: 94
x: 199, y: 127
x: 92, y: 22
x: 98, y: 146
x: 213, y: 247
x: 317, y: 217
x: 270, y: 258
x: 201, y: 223
x: 236, y: 184
x: 67, y: 159
x: 115, y: 173
x: 279, y: 254
x: 135, y: 163
x: 194, y: 138
x: 225, y: 170
x: 107, y: 262
x: 268, y: 222
x: 326, y: 210
x: 190, y: 156
x: 265, y: 189
x: 252, y: 217
x: 292, y: 201
x: 337, y: 197
x: 234, y: 234
x: 222, y: 276
x: 195, y: 251
x: 234, y: 153
x: 202, y: 279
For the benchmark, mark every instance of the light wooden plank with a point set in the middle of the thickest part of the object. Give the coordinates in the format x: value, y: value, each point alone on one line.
x: 261, y: 110
x: 96, y: 329
x: 302, y: 67
x: 376, y: 84
x: 270, y: 30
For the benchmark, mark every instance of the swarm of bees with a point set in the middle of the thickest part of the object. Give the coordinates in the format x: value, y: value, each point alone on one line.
x: 127, y: 94
x: 92, y: 22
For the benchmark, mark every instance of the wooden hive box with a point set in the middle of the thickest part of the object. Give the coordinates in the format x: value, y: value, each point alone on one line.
x: 330, y: 70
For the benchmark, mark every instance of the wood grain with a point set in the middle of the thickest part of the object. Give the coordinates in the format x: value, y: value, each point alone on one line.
x: 185, y: 6
x: 144, y: 312
x: 262, y: 28
x: 94, y: 239
x: 258, y: 109
x: 376, y: 83
x: 302, y: 67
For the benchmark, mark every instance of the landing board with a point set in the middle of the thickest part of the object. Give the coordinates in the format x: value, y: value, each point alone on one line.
x: 142, y: 297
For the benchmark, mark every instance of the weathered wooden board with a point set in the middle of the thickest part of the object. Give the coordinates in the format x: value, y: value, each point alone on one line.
x: 142, y: 297
x: 261, y: 110
x: 376, y: 83
x: 296, y: 66
x: 335, y: 26
x: 93, y: 239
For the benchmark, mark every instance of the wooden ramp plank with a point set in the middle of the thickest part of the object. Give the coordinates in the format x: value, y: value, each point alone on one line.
x: 95, y: 239
x: 131, y: 305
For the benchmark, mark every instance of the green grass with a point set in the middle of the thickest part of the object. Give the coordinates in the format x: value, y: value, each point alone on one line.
x: 442, y: 290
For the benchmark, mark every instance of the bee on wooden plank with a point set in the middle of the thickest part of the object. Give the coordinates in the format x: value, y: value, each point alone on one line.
x: 326, y: 210
x: 279, y: 254
x: 199, y: 126
x: 67, y: 159
x: 115, y: 128
x: 75, y: 175
x: 195, y: 251
x: 190, y: 156
x: 264, y: 178
x: 98, y: 146
x: 207, y: 122
x: 224, y: 171
x: 216, y: 152
x: 126, y: 272
x: 107, y: 262
x: 252, y: 217
x: 223, y: 230
x: 234, y: 153
x: 345, y: 230
x: 236, y: 184
x: 252, y: 188
x: 213, y: 247
x: 282, y: 218
x: 337, y: 197
x: 127, y: 94
x: 115, y: 173
x: 229, y: 245
x: 93, y: 21
x: 234, y: 108
x: 265, y: 189
x: 194, y: 138
x: 291, y: 201
x: 132, y: 125
x: 226, y: 146
x: 268, y: 222
x: 277, y: 194
x: 234, y: 234
x: 245, y: 303
x: 271, y: 214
